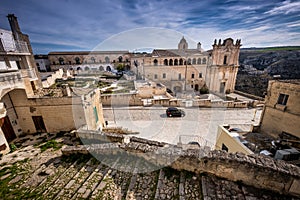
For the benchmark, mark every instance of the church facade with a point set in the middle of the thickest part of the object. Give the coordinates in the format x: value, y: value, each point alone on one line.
x: 185, y: 69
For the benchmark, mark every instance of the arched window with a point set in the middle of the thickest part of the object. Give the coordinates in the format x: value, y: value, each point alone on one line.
x: 108, y: 68
x: 101, y: 68
x: 189, y: 61
x: 155, y: 62
x: 86, y: 68
x: 165, y: 62
x: 204, y: 61
x: 107, y: 59
x: 170, y: 62
x: 61, y: 61
x: 77, y: 60
x: 194, y: 61
x: 93, y: 59
x: 199, y: 61
x: 120, y: 58
x: 225, y: 60
x: 180, y: 61
x: 79, y: 69
x: 176, y: 62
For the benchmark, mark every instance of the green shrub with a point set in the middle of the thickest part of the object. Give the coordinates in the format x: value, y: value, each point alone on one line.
x: 12, y: 147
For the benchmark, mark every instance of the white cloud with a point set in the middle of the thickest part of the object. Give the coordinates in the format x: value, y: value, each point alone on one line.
x: 285, y: 7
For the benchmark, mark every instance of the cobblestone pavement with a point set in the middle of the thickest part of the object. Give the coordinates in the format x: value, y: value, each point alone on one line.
x: 49, y: 175
x: 152, y: 122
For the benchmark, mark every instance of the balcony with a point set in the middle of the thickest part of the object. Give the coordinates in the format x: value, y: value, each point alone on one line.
x: 14, y: 46
x: 11, y: 80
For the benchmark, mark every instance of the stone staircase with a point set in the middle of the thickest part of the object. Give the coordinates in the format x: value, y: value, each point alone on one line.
x: 84, y: 177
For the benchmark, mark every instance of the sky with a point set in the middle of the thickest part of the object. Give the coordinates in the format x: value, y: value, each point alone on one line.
x: 79, y: 25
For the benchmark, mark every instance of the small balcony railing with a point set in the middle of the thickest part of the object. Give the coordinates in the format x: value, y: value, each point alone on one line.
x: 15, y: 46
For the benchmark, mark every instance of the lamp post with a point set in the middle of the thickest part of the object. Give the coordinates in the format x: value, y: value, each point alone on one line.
x: 185, y: 75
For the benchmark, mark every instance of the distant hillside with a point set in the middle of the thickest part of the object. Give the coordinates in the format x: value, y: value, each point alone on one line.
x: 259, y: 65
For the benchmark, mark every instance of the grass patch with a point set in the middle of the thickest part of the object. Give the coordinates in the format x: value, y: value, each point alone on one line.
x: 51, y: 144
x: 12, y: 147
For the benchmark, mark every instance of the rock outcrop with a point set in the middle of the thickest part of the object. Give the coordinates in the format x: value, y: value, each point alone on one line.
x: 258, y: 66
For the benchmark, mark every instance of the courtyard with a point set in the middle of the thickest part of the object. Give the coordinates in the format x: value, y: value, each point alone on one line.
x: 199, y: 124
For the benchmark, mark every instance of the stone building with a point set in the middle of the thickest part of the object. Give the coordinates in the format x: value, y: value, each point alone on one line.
x: 42, y: 63
x: 282, y: 110
x: 185, y: 69
x: 22, y: 111
x: 89, y: 60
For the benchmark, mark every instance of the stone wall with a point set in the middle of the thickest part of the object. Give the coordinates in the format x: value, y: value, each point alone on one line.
x: 134, y: 100
x: 278, y: 118
x: 254, y: 170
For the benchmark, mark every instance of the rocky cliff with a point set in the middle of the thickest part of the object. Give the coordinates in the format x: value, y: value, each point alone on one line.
x: 259, y: 65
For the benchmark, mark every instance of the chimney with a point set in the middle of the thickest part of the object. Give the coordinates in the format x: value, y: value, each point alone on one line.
x: 14, y: 26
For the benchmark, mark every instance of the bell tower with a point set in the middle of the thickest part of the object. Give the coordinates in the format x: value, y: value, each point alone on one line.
x: 183, y: 45
x: 224, y: 65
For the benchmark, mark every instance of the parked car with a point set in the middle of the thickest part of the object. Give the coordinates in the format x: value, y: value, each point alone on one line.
x: 175, y: 112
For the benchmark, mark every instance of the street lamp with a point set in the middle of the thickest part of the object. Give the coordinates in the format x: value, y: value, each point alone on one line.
x: 185, y: 75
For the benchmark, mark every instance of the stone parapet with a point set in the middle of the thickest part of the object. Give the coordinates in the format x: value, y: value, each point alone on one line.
x: 254, y: 170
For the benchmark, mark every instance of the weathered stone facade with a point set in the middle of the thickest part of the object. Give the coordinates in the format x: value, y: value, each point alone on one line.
x: 88, y: 60
x: 282, y: 110
x: 185, y: 69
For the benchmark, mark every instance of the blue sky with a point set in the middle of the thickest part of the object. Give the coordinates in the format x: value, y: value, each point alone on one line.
x: 68, y: 25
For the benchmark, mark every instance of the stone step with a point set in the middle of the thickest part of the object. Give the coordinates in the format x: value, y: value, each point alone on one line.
x: 143, y: 185
x: 168, y: 184
x: 64, y: 179
x: 115, y: 183
x: 75, y: 183
x: 49, y: 180
x: 91, y: 182
x: 100, y: 187
x: 40, y: 174
x: 189, y: 186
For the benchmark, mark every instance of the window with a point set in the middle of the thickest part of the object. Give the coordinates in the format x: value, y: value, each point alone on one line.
x: 165, y: 62
x: 204, y: 61
x: 189, y: 61
x: 93, y: 59
x: 200, y: 75
x: 224, y: 148
x: 199, y: 61
x: 175, y: 62
x: 164, y: 75
x: 194, y: 61
x: 155, y: 76
x: 180, y: 61
x: 96, y: 114
x: 179, y: 76
x: 155, y: 62
x: 61, y: 61
x: 77, y: 60
x: 170, y: 62
x: 282, y: 99
x: 225, y: 60
x: 107, y: 60
x: 193, y: 75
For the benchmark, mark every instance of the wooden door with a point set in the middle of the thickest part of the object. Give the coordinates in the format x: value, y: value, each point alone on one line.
x: 8, y: 130
x: 39, y: 124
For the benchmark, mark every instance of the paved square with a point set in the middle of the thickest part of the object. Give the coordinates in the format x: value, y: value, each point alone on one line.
x: 152, y: 122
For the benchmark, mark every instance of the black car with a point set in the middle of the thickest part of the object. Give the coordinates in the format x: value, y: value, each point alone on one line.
x: 174, y: 112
